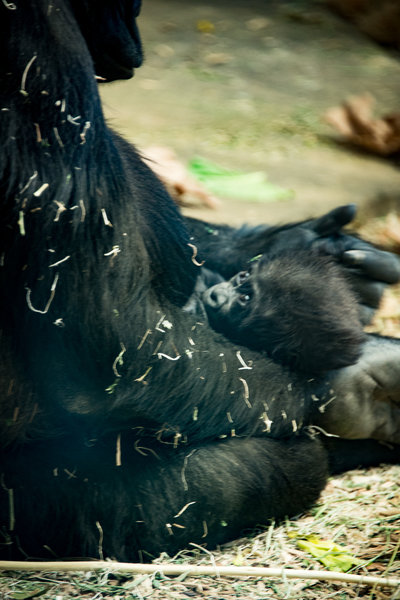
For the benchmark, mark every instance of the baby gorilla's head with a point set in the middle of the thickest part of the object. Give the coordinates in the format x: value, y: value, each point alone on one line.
x: 297, y: 308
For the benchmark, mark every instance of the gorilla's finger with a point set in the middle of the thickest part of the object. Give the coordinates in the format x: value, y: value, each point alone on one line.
x: 369, y: 292
x: 375, y: 264
x: 366, y: 314
x: 334, y: 220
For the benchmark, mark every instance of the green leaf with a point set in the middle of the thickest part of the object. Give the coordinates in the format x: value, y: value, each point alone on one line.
x: 235, y: 184
x: 333, y: 556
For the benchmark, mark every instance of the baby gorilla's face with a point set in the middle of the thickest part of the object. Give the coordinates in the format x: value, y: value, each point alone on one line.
x: 229, y: 303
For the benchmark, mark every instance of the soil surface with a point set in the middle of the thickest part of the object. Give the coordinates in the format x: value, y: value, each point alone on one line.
x: 246, y: 84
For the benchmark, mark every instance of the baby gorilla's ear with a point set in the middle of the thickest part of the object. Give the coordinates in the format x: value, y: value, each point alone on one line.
x: 303, y: 313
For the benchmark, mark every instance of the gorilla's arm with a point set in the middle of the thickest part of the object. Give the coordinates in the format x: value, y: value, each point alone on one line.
x: 165, y: 500
x: 229, y: 250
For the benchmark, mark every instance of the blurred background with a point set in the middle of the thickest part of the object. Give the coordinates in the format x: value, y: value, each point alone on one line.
x: 245, y: 86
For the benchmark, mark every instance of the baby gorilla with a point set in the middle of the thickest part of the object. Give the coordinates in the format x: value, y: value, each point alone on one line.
x: 298, y: 308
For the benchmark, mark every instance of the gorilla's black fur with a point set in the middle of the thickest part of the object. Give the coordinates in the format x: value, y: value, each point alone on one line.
x: 122, y: 418
x: 297, y: 307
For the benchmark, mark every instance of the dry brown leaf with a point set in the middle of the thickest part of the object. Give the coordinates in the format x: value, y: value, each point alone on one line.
x: 355, y: 121
x: 183, y: 188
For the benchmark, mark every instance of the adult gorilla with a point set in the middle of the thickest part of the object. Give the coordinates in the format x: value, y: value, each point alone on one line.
x: 125, y: 424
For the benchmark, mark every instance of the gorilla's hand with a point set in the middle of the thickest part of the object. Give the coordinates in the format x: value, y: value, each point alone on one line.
x: 363, y: 400
x: 369, y: 269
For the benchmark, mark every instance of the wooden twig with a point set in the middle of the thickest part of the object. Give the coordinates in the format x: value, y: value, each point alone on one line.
x: 193, y: 570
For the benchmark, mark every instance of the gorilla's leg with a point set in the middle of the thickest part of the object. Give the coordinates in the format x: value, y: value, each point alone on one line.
x: 352, y: 454
x: 363, y: 400
x: 151, y: 498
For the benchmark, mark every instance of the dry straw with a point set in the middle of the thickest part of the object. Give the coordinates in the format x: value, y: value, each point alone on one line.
x: 172, y: 569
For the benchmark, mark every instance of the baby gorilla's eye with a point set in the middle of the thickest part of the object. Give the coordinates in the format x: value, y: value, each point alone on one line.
x: 243, y: 299
x: 241, y: 277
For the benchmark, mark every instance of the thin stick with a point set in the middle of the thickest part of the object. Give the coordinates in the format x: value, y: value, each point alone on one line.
x: 179, y: 569
x: 9, y: 5
x: 58, y: 137
x: 119, y: 360
x: 60, y: 261
x: 246, y: 392
x: 101, y: 535
x: 196, y: 262
x: 39, y: 138
x: 118, y: 462
x: 50, y: 300
x: 40, y: 191
x: 240, y: 359
x: 25, y: 74
x: 105, y: 218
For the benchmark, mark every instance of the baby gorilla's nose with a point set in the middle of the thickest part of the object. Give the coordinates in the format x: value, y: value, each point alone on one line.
x: 217, y: 295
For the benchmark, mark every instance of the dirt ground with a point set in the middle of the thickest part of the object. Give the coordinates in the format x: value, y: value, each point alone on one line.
x: 246, y: 84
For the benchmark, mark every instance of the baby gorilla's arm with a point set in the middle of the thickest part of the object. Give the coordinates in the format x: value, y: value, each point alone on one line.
x: 298, y: 308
